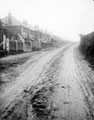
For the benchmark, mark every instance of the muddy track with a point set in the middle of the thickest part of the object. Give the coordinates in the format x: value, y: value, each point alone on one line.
x: 11, y: 69
x: 35, y: 101
x: 86, y: 83
x: 58, y: 86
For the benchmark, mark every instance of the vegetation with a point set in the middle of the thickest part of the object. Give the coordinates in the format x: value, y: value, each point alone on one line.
x: 87, y: 47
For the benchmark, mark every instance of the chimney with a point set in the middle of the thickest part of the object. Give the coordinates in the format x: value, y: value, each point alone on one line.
x: 9, y: 19
x: 25, y: 23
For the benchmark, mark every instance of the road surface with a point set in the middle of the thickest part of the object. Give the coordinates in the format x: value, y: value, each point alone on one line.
x: 53, y: 85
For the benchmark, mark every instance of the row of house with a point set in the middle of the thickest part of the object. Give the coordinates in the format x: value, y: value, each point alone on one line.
x: 16, y: 36
x: 16, y: 26
x: 20, y: 35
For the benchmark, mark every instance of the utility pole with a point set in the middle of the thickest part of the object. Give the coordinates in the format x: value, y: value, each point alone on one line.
x: 1, y: 35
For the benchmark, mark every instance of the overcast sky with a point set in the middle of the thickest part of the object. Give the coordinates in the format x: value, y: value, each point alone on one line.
x: 65, y: 18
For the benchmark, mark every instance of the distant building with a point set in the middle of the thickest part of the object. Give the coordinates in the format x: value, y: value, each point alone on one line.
x: 17, y: 27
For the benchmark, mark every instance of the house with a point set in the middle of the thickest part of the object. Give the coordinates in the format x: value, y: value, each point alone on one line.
x: 21, y: 32
x: 17, y: 27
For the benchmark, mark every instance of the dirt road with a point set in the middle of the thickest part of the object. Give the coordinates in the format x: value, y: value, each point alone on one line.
x: 57, y: 85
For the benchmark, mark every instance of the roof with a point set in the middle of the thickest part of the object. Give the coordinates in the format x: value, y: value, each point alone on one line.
x: 12, y: 21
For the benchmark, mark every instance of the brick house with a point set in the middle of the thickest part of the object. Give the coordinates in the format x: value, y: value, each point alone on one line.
x: 17, y: 27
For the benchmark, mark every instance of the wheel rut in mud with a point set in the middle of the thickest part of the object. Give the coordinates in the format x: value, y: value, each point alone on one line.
x: 36, y: 103
x: 86, y: 83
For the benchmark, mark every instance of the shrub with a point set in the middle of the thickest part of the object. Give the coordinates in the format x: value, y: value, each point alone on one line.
x: 87, y: 47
